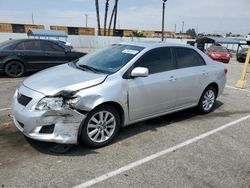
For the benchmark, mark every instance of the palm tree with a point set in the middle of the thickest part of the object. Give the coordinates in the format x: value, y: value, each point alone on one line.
x: 105, y: 17
x: 111, y: 19
x: 114, y: 13
x: 116, y: 8
x: 98, y: 16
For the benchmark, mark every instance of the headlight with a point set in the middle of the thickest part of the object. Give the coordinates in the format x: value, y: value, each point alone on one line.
x: 50, y: 104
x: 55, y: 103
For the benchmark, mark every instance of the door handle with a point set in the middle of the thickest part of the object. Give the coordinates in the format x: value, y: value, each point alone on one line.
x: 20, y: 54
x: 172, y: 79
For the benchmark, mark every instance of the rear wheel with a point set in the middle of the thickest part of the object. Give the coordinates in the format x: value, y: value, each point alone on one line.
x: 100, y: 127
x: 207, y: 100
x: 14, y: 69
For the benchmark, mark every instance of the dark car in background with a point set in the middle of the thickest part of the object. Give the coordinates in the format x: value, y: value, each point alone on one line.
x: 241, y: 56
x: 29, y: 55
x: 218, y: 53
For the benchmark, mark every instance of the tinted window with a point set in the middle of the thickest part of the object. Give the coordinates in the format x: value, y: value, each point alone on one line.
x: 157, y: 60
x: 50, y: 46
x: 188, y: 58
x: 29, y: 45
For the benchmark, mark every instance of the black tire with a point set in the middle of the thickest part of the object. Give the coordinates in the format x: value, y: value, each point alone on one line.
x: 205, y: 108
x: 86, y: 130
x: 14, y: 69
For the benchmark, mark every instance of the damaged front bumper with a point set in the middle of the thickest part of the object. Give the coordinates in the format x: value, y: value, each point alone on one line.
x: 59, y: 126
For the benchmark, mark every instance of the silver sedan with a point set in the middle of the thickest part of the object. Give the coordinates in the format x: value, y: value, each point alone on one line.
x: 90, y: 99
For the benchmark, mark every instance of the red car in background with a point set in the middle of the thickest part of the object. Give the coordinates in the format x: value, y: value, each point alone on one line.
x: 218, y: 53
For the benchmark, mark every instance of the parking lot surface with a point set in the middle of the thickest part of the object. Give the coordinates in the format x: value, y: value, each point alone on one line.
x: 219, y: 159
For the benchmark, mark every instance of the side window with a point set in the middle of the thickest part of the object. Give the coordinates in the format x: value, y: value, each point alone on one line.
x: 157, y: 60
x: 188, y: 58
x: 50, y: 46
x: 29, y: 45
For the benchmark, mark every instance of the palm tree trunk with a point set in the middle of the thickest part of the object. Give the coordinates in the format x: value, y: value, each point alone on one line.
x: 98, y: 16
x: 105, y: 17
x: 111, y: 19
x: 115, y: 16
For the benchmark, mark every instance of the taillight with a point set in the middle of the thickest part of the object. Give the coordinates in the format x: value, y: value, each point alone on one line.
x: 225, y: 70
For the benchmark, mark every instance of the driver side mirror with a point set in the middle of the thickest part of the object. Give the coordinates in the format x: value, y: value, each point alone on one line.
x: 139, y: 72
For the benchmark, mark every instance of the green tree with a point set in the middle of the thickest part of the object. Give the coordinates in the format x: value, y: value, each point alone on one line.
x: 136, y: 34
x: 192, y: 32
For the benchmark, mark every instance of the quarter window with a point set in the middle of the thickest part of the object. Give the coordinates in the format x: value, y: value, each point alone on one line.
x: 188, y: 58
x: 157, y: 60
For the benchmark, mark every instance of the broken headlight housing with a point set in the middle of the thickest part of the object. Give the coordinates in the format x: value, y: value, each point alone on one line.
x: 55, y: 103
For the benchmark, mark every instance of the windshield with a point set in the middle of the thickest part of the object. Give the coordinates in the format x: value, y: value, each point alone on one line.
x: 109, y: 60
x: 6, y: 43
x: 219, y: 49
x: 245, y: 50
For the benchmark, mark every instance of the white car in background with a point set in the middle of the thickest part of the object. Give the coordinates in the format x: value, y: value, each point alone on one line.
x: 248, y: 38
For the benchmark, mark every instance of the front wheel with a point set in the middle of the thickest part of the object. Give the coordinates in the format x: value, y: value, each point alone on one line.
x: 100, y: 127
x: 207, y: 100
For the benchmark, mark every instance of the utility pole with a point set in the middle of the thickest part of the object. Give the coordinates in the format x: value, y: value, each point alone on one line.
x: 119, y: 26
x: 32, y: 18
x: 86, y: 20
x: 163, y: 19
x: 175, y: 28
x: 183, y: 23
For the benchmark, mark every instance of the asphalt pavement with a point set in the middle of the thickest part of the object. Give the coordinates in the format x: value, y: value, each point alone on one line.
x: 184, y: 149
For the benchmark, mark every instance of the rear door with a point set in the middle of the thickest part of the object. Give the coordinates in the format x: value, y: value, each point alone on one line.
x: 54, y: 53
x: 191, y: 76
x: 155, y: 94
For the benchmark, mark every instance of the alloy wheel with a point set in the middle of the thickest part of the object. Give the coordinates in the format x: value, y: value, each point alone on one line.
x: 101, y: 126
x: 208, y: 100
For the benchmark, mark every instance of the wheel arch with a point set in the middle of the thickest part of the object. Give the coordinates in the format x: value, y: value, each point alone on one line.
x: 113, y: 104
x: 116, y: 106
x: 214, y: 85
x: 15, y: 59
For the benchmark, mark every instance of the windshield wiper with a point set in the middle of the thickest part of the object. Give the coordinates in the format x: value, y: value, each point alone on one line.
x: 88, y: 68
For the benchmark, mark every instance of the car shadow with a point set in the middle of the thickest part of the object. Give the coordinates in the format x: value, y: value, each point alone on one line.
x: 125, y: 132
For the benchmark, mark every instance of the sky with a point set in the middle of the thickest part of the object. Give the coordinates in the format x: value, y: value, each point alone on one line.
x: 210, y: 16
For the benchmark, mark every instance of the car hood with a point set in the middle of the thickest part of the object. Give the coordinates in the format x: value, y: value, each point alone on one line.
x: 62, y: 78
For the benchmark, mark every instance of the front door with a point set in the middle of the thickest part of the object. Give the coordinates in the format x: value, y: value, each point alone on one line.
x: 155, y: 94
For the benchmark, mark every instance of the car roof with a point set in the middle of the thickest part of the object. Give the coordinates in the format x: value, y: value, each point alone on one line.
x: 28, y: 39
x: 153, y: 44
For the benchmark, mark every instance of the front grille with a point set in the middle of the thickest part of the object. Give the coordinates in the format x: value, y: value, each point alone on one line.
x: 23, y: 100
x: 47, y: 129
